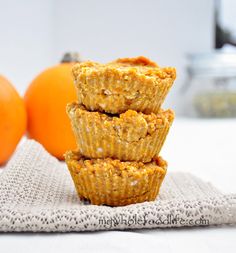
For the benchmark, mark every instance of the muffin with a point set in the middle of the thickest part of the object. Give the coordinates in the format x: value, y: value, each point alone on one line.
x: 128, y: 83
x: 113, y: 182
x: 130, y: 136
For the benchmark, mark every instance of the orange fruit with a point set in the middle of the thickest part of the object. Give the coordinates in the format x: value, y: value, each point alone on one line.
x: 46, y: 100
x: 12, y: 119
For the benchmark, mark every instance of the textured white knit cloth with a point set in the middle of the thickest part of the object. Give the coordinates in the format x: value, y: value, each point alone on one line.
x: 37, y: 194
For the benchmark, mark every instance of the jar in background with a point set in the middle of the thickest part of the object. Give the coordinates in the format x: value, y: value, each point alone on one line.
x: 210, y: 88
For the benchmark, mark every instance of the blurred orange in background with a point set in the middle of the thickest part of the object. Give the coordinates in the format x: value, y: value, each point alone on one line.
x: 46, y: 99
x: 12, y: 119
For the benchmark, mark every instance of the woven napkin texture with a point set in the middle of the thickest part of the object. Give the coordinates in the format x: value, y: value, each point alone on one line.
x: 37, y: 194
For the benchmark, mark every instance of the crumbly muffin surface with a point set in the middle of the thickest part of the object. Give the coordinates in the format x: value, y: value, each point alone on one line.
x: 113, y: 182
x: 132, y: 135
x: 127, y: 83
x: 114, y: 165
x: 131, y: 66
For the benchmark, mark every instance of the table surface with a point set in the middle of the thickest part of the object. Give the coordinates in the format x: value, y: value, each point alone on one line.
x: 205, y: 148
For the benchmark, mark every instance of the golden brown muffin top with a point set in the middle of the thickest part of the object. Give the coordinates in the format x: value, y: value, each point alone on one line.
x: 138, y: 66
x: 140, y: 123
x: 137, y: 61
x: 115, y: 166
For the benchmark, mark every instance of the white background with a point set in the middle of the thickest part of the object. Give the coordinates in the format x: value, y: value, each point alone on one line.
x: 35, y: 34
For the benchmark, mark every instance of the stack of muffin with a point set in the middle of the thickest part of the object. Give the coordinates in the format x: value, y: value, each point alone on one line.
x: 120, y: 130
